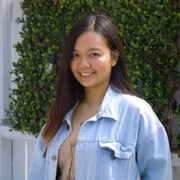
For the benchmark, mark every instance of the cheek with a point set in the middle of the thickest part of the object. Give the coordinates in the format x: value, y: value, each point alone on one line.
x: 73, y: 66
x: 104, y: 64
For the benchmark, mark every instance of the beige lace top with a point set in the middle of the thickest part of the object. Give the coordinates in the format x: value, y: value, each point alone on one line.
x: 66, y: 161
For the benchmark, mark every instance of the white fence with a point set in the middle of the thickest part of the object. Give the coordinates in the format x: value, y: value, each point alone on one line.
x: 16, y: 151
x: 15, y: 154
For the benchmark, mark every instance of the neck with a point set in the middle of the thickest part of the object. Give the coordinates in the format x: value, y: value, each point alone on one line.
x: 94, y: 96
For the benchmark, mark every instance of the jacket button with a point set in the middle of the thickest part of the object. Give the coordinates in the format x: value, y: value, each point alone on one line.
x: 53, y: 158
x: 113, y: 157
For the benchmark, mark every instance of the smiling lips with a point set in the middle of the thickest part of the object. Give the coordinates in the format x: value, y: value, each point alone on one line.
x: 86, y: 74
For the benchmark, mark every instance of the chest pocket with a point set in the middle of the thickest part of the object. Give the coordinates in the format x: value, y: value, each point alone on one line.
x: 120, y: 151
x: 116, y: 159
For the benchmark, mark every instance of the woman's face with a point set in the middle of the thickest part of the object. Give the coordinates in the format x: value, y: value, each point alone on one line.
x: 92, y: 60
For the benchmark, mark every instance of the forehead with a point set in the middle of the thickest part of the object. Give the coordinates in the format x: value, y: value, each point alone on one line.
x: 90, y: 39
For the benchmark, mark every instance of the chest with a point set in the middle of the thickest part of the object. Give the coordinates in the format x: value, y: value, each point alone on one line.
x: 99, y: 143
x: 80, y: 117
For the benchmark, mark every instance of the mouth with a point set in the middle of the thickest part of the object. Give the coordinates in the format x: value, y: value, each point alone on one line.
x: 86, y: 74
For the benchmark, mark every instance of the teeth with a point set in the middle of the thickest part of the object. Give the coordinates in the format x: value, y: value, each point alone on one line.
x: 85, y: 74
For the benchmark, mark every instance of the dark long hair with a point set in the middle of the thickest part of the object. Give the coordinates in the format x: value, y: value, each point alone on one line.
x: 68, y: 89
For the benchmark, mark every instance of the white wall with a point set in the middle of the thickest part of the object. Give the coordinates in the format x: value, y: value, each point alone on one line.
x: 9, y: 11
x: 5, y: 54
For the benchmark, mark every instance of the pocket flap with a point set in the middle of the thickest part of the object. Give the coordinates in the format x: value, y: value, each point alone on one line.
x: 121, y: 151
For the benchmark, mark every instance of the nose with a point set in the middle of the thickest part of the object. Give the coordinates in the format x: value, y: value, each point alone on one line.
x: 84, y: 63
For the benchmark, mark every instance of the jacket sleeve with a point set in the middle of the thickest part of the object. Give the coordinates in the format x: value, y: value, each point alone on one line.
x: 153, y: 152
x: 37, y: 167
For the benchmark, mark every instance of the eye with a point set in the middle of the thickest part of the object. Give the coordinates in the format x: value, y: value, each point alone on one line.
x: 94, y: 54
x: 75, y: 55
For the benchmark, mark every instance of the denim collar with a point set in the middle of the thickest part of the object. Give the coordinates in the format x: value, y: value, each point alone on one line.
x: 108, y: 108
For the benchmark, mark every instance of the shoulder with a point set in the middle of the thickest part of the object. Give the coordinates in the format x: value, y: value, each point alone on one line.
x: 135, y: 102
x: 141, y: 115
x: 127, y: 99
x: 130, y: 108
x: 139, y: 110
x: 127, y: 104
x: 137, y: 106
x: 131, y: 102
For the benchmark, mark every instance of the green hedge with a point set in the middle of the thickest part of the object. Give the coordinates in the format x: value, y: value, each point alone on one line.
x: 149, y: 30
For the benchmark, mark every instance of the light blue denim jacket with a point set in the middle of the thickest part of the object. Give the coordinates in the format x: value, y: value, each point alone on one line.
x: 124, y: 139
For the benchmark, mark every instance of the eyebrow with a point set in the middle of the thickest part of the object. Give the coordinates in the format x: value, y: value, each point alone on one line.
x: 91, y: 49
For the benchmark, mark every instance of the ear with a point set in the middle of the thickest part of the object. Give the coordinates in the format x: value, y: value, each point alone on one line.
x: 115, y: 55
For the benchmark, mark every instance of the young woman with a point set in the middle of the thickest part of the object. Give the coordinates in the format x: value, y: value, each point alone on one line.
x: 97, y: 129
